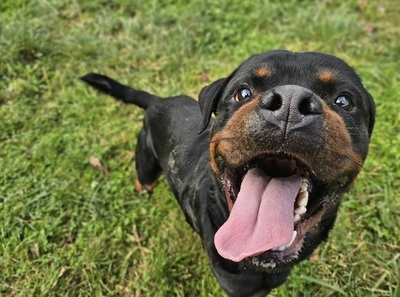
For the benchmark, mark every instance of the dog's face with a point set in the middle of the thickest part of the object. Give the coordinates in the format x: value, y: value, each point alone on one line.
x: 290, y: 134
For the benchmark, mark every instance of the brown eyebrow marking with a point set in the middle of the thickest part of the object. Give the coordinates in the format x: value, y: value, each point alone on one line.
x: 262, y: 72
x: 326, y: 76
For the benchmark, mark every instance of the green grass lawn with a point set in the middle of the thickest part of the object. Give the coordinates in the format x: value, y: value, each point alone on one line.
x: 68, y: 229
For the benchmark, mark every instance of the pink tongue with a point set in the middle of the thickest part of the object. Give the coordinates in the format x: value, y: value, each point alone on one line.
x: 261, y: 218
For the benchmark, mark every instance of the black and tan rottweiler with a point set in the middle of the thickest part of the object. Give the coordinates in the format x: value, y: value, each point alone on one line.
x: 262, y: 180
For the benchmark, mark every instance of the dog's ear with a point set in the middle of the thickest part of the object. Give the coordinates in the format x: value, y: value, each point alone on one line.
x: 208, y: 100
x: 372, y: 114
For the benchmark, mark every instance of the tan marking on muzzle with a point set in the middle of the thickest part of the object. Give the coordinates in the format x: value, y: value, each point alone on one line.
x: 233, y: 142
x: 337, y: 151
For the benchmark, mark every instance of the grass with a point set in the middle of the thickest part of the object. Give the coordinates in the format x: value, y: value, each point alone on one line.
x: 67, y: 229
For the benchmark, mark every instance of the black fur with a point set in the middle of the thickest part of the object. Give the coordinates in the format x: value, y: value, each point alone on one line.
x: 176, y: 138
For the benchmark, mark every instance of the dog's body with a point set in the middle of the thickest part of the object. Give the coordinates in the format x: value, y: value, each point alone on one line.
x: 287, y: 126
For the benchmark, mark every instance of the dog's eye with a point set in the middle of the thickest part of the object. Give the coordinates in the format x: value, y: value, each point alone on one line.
x: 344, y: 102
x: 242, y: 94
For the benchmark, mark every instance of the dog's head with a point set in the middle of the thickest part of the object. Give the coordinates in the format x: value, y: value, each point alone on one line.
x: 289, y: 136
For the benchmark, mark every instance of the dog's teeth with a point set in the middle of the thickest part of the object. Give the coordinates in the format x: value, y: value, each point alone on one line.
x: 296, y: 218
x: 300, y: 210
x: 302, y: 199
x: 282, y: 248
x: 304, y: 185
x: 293, y: 238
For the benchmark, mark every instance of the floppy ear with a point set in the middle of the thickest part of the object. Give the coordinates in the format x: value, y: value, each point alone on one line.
x: 372, y: 114
x: 208, y: 100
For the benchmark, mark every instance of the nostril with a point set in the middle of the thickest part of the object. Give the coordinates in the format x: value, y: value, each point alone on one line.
x: 290, y: 103
x: 272, y: 102
x: 310, y: 105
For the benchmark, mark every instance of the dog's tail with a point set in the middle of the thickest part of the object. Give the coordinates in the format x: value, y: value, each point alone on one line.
x: 119, y: 91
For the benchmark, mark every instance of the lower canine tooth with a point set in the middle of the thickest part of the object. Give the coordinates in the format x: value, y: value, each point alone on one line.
x: 296, y: 218
x: 293, y: 238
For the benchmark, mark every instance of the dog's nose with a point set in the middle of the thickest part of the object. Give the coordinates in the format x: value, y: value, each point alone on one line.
x: 291, y: 103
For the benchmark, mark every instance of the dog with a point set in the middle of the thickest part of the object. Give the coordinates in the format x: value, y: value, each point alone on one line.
x: 259, y: 163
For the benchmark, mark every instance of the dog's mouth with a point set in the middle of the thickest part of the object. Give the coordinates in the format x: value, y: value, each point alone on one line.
x: 275, y: 201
